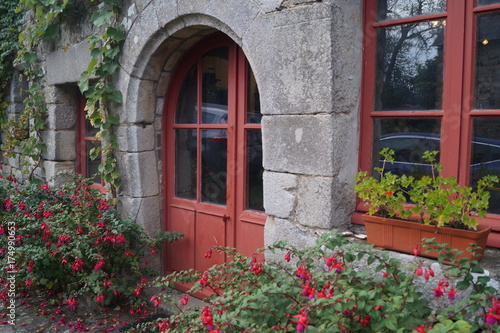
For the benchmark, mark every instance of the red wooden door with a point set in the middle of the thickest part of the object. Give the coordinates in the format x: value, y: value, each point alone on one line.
x: 213, y: 160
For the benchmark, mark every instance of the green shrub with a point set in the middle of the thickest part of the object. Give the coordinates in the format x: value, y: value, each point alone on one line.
x: 336, y: 286
x: 69, y: 239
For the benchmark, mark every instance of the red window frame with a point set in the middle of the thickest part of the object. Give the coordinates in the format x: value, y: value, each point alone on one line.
x: 456, y: 113
x: 83, y: 158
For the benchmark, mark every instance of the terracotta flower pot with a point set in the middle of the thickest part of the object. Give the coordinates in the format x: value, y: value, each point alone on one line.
x: 400, y: 235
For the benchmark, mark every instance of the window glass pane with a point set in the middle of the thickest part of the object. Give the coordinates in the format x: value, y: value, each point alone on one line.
x: 485, y: 158
x: 214, y: 166
x: 487, y: 74
x: 215, y: 81
x: 187, y: 103
x: 254, y: 187
x: 185, y: 163
x: 92, y: 166
x: 409, y: 138
x: 395, y: 9
x: 409, y: 72
x: 486, y: 2
x: 253, y: 99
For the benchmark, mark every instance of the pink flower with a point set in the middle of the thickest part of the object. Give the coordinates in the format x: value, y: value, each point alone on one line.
x: 155, y: 300
x: 29, y: 283
x: 287, y: 257
x: 77, y: 265
x: 184, y: 300
x: 99, y: 298
x: 71, y: 303
x: 99, y: 264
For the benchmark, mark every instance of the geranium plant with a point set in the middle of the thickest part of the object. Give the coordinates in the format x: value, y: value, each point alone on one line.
x: 335, y: 286
x: 69, y: 240
x: 431, y: 199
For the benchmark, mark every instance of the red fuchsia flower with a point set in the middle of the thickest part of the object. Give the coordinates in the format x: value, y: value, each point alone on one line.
x: 257, y: 268
x: 415, y: 251
x: 77, y: 265
x: 79, y: 231
x: 421, y: 329
x: 184, y: 300
x: 138, y: 291
x: 107, y: 283
x: 155, y: 299
x: 99, y: 265
x: 2, y: 230
x: 48, y: 213
x: 204, y: 280
x: 8, y: 204
x: 100, y: 298
x: 440, y: 290
x: 208, y: 254
x: 44, y: 187
x: 103, y: 205
x: 144, y: 280
x: 302, y: 321
x: 120, y: 239
x: 302, y: 273
x: 28, y: 283
x: 308, y: 291
x: 287, y: 256
x: 71, y: 303
x: 164, y: 326
x: 207, y: 318
x: 493, y: 315
x: 365, y: 320
x: 30, y: 265
x: 129, y: 254
x: 452, y: 293
x: 22, y: 206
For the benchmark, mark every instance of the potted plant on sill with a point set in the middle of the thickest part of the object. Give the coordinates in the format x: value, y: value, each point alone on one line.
x: 439, y: 208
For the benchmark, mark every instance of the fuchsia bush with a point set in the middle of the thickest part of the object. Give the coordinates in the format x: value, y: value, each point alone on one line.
x: 68, y: 239
x: 336, y: 286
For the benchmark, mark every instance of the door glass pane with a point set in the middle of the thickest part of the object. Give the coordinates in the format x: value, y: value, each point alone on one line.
x: 485, y: 158
x: 215, y: 84
x: 487, y: 74
x: 214, y: 166
x: 187, y: 102
x: 487, y: 2
x: 185, y: 163
x: 409, y: 69
x: 395, y: 9
x: 253, y: 99
x: 254, y: 187
x: 409, y: 138
x: 92, y: 166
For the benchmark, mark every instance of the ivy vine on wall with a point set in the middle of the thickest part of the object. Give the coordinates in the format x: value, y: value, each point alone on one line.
x: 22, y: 134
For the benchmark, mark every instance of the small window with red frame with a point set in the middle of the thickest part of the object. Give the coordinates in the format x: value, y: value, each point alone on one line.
x: 86, y: 165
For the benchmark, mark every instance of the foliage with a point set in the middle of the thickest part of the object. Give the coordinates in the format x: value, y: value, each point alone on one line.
x: 104, y: 50
x: 435, y: 199
x: 23, y: 133
x: 67, y: 239
x: 335, y: 286
x: 10, y: 23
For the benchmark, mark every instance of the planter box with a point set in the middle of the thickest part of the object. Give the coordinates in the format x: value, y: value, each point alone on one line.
x: 400, y: 235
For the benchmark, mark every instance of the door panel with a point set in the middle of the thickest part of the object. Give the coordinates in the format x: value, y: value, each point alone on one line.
x: 213, y: 187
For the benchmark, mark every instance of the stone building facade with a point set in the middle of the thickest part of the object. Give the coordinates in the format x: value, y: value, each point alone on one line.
x: 306, y: 56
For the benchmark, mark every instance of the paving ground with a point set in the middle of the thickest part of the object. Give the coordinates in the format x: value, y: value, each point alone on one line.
x: 28, y: 317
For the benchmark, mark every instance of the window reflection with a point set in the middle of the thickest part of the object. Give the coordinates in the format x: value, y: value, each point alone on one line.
x: 185, y: 112
x: 215, y: 79
x: 409, y: 138
x: 396, y: 9
x: 254, y: 185
x: 487, y: 75
x: 214, y: 166
x: 185, y: 163
x: 485, y: 157
x: 487, y: 2
x: 410, y: 67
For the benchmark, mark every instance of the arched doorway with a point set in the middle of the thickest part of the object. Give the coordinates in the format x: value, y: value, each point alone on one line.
x: 213, y: 175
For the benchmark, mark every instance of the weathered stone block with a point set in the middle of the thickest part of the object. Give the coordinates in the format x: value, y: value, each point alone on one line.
x: 318, y: 201
x: 298, y: 144
x: 140, y: 177
x: 277, y: 230
x: 61, y: 117
x: 291, y: 54
x: 65, y: 66
x: 280, y: 193
x: 140, y: 104
x: 140, y: 138
x: 145, y: 211
x: 61, y: 145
